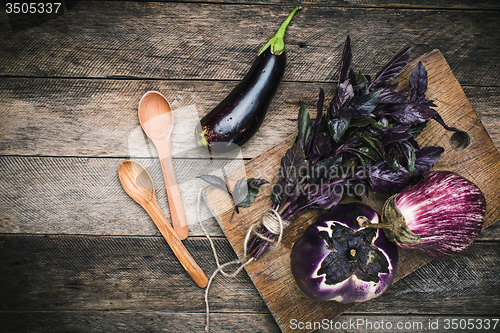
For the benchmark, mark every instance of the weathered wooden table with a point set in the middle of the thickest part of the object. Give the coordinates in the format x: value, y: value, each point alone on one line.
x: 78, y: 255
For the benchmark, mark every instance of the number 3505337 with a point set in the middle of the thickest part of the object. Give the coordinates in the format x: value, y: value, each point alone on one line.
x: 32, y: 7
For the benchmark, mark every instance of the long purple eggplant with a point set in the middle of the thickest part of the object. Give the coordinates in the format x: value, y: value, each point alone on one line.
x: 238, y: 117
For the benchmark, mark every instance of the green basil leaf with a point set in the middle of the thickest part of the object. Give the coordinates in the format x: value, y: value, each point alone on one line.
x: 337, y: 127
x: 409, y: 153
x: 363, y: 106
x: 361, y: 80
x: 304, y: 123
x: 252, y: 185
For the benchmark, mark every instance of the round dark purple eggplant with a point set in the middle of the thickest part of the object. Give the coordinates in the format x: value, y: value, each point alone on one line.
x: 336, y: 259
x: 238, y: 117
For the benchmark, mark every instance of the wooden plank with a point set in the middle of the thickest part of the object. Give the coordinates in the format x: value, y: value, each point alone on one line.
x: 132, y: 321
x: 62, y: 273
x: 156, y: 321
x: 74, y: 117
x: 53, y: 195
x: 485, y: 103
x: 442, y: 4
x: 216, y: 41
x: 59, y: 273
x: 57, y: 117
x: 479, y: 162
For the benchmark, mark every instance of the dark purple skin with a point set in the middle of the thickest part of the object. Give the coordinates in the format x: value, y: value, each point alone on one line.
x: 310, y: 250
x: 238, y: 117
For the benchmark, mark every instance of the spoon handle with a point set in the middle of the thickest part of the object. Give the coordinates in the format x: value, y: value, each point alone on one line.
x: 175, y: 244
x: 175, y: 205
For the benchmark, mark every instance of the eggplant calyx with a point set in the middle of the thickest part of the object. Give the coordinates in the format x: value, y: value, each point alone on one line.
x: 394, y: 224
x: 351, y: 253
x: 201, y: 138
x: 277, y: 43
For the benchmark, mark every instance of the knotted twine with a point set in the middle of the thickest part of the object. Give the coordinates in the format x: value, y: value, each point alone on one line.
x: 271, y: 221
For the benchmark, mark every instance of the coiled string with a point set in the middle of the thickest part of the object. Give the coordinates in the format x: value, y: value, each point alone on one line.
x: 272, y: 221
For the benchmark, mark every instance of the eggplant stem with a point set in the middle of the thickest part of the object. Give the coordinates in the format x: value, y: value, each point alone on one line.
x: 382, y: 225
x: 394, y: 224
x: 277, y: 43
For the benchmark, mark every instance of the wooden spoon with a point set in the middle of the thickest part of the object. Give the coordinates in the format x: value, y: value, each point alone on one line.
x: 157, y: 121
x: 138, y: 184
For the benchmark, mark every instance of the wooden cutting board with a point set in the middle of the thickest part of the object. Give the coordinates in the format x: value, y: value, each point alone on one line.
x: 478, y: 162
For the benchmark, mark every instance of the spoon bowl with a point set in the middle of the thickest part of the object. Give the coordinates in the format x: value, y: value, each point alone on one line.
x: 156, y: 116
x: 157, y: 121
x: 136, y: 181
x: 138, y: 184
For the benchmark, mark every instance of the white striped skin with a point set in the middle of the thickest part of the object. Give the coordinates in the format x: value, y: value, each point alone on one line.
x: 445, y: 210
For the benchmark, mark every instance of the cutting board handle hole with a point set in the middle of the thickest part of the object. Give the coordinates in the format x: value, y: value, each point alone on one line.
x: 460, y: 140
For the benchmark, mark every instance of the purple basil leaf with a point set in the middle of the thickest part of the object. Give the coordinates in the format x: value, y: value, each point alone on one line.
x: 413, y: 143
x: 342, y: 97
x: 393, y: 86
x: 418, y: 81
x: 326, y: 196
x: 391, y: 97
x: 391, y: 137
x: 316, y: 125
x: 372, y: 142
x: 345, y: 63
x: 392, y: 69
x: 392, y: 160
x: 320, y: 104
x: 369, y: 152
x: 215, y: 181
x: 413, y: 114
x: 427, y: 102
x: 361, y: 83
x: 440, y: 120
x: 354, y: 81
x: 415, y: 130
x: 292, y: 169
x: 426, y: 158
x: 321, y: 146
x: 384, y: 179
x: 325, y: 168
x: 363, y: 106
x: 399, y: 128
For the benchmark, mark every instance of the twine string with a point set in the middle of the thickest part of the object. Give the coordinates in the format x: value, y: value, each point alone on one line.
x: 272, y: 221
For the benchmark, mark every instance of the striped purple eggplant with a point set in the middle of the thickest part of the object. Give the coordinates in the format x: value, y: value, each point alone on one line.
x: 336, y: 259
x: 441, y: 215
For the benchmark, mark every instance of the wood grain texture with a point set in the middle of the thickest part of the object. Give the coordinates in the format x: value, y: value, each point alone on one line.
x: 69, y: 89
x: 214, y: 41
x: 444, y: 4
x: 55, y: 117
x: 479, y: 162
x: 54, y: 195
x: 79, y: 273
x: 108, y: 273
x: 74, y: 117
x: 156, y: 321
